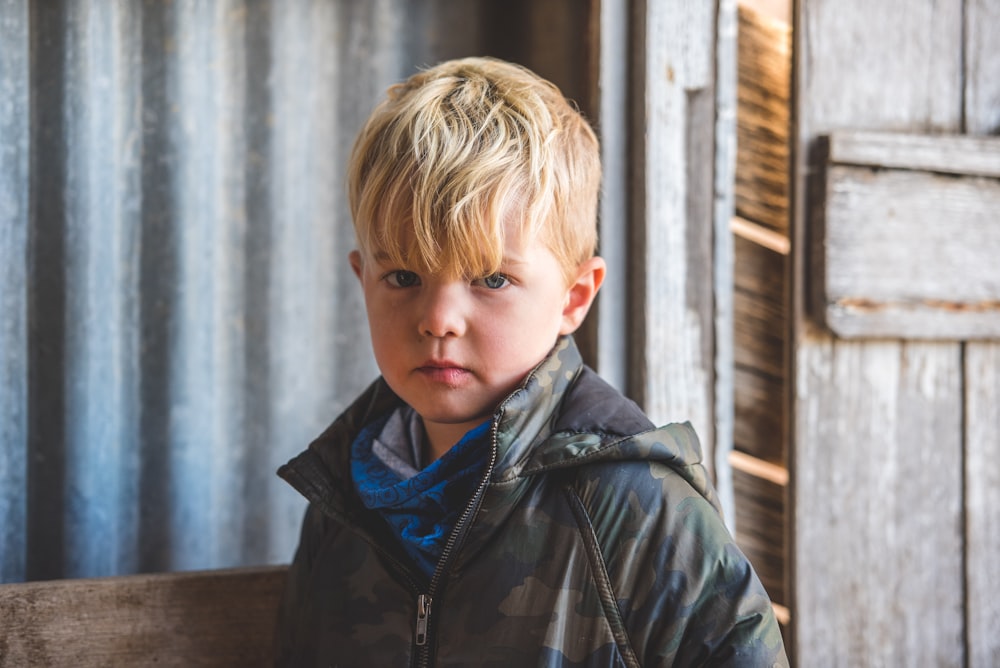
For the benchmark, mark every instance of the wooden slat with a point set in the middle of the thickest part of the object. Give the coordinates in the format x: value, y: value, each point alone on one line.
x: 759, y: 488
x: 209, y: 618
x: 760, y: 428
x: 982, y: 503
x: 761, y: 318
x: 878, y: 505
x: 674, y: 180
x: 982, y: 374
x: 982, y: 67
x: 761, y: 339
x: 723, y: 206
x: 911, y: 255
x: 762, y: 120
x: 948, y: 154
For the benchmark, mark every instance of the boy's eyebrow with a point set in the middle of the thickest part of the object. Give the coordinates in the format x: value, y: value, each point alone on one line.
x: 513, y: 260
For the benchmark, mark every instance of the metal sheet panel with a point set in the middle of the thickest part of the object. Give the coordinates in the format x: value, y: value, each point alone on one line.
x: 178, y: 316
x: 14, y: 213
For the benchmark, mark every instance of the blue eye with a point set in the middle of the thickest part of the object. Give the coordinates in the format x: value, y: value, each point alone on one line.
x: 495, y: 281
x: 402, y: 278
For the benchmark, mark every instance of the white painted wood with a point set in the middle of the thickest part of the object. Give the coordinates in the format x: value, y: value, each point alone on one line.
x: 911, y: 254
x: 675, y: 185
x: 982, y: 503
x: 982, y: 374
x: 982, y: 67
x: 949, y: 154
x: 878, y: 505
x: 878, y: 576
x: 724, y: 255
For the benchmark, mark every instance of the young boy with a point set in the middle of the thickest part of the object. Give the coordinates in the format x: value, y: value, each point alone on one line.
x: 489, y: 500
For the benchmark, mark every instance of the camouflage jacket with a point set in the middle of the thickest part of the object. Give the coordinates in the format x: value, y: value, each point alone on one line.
x: 593, y: 540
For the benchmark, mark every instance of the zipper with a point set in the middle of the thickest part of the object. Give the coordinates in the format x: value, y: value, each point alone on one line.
x: 424, y: 601
x: 423, y: 612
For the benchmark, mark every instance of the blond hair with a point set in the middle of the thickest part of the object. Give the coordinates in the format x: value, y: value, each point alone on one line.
x: 457, y: 151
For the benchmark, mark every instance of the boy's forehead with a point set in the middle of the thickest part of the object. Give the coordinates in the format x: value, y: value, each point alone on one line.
x: 517, y: 245
x: 509, y: 257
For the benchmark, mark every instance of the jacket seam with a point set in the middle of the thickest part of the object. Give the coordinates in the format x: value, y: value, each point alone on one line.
x: 609, y: 601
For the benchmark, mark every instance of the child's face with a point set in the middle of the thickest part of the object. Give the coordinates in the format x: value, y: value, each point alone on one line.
x: 453, y: 349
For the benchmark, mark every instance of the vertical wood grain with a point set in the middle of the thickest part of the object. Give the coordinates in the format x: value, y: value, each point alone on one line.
x: 982, y: 374
x: 723, y: 251
x: 672, y: 216
x: 878, y: 505
x: 982, y: 67
x: 982, y: 502
x: 877, y: 446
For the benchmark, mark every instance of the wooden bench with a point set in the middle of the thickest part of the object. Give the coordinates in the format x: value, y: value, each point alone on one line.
x: 206, y: 618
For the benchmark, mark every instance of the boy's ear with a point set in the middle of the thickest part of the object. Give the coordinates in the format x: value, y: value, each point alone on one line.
x: 354, y: 257
x: 581, y: 292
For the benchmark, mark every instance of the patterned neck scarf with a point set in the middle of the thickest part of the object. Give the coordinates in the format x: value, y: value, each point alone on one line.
x: 421, y: 506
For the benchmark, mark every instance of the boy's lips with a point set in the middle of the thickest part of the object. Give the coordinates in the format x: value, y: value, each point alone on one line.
x: 443, y: 371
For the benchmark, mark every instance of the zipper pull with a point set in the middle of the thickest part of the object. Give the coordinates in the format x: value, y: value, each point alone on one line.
x: 423, y: 613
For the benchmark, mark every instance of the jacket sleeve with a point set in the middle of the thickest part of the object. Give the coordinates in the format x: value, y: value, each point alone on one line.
x: 687, y: 594
x: 727, y: 618
x: 733, y: 623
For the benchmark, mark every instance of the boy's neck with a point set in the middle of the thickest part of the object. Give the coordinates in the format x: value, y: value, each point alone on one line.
x: 440, y: 437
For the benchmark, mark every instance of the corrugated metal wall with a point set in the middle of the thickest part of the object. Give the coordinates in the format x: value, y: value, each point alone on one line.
x: 177, y: 317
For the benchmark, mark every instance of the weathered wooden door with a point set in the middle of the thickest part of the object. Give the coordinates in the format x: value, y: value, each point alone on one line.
x: 896, y: 359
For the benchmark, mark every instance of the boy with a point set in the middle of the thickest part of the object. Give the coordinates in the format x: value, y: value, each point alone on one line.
x: 489, y: 500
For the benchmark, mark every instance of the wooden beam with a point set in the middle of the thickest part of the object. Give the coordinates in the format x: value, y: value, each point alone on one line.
x: 208, y: 618
x: 947, y: 154
x: 910, y: 254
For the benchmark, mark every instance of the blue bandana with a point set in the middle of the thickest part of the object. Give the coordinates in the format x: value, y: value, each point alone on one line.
x: 421, y: 508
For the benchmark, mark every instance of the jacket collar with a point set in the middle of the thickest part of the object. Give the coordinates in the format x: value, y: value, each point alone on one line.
x: 561, y: 416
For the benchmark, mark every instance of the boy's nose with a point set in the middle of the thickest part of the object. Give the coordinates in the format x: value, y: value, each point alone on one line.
x: 443, y: 312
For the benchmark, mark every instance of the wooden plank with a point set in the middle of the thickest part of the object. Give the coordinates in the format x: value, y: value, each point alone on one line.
x: 672, y: 350
x: 762, y: 119
x: 760, y: 427
x: 911, y: 255
x: 982, y: 67
x: 208, y: 618
x: 876, y: 448
x: 878, y: 505
x: 723, y: 206
x: 759, y: 488
x: 760, y: 305
x: 982, y: 374
x: 947, y: 154
x: 982, y: 519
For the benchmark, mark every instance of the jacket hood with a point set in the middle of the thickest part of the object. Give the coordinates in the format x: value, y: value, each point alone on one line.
x: 564, y: 415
